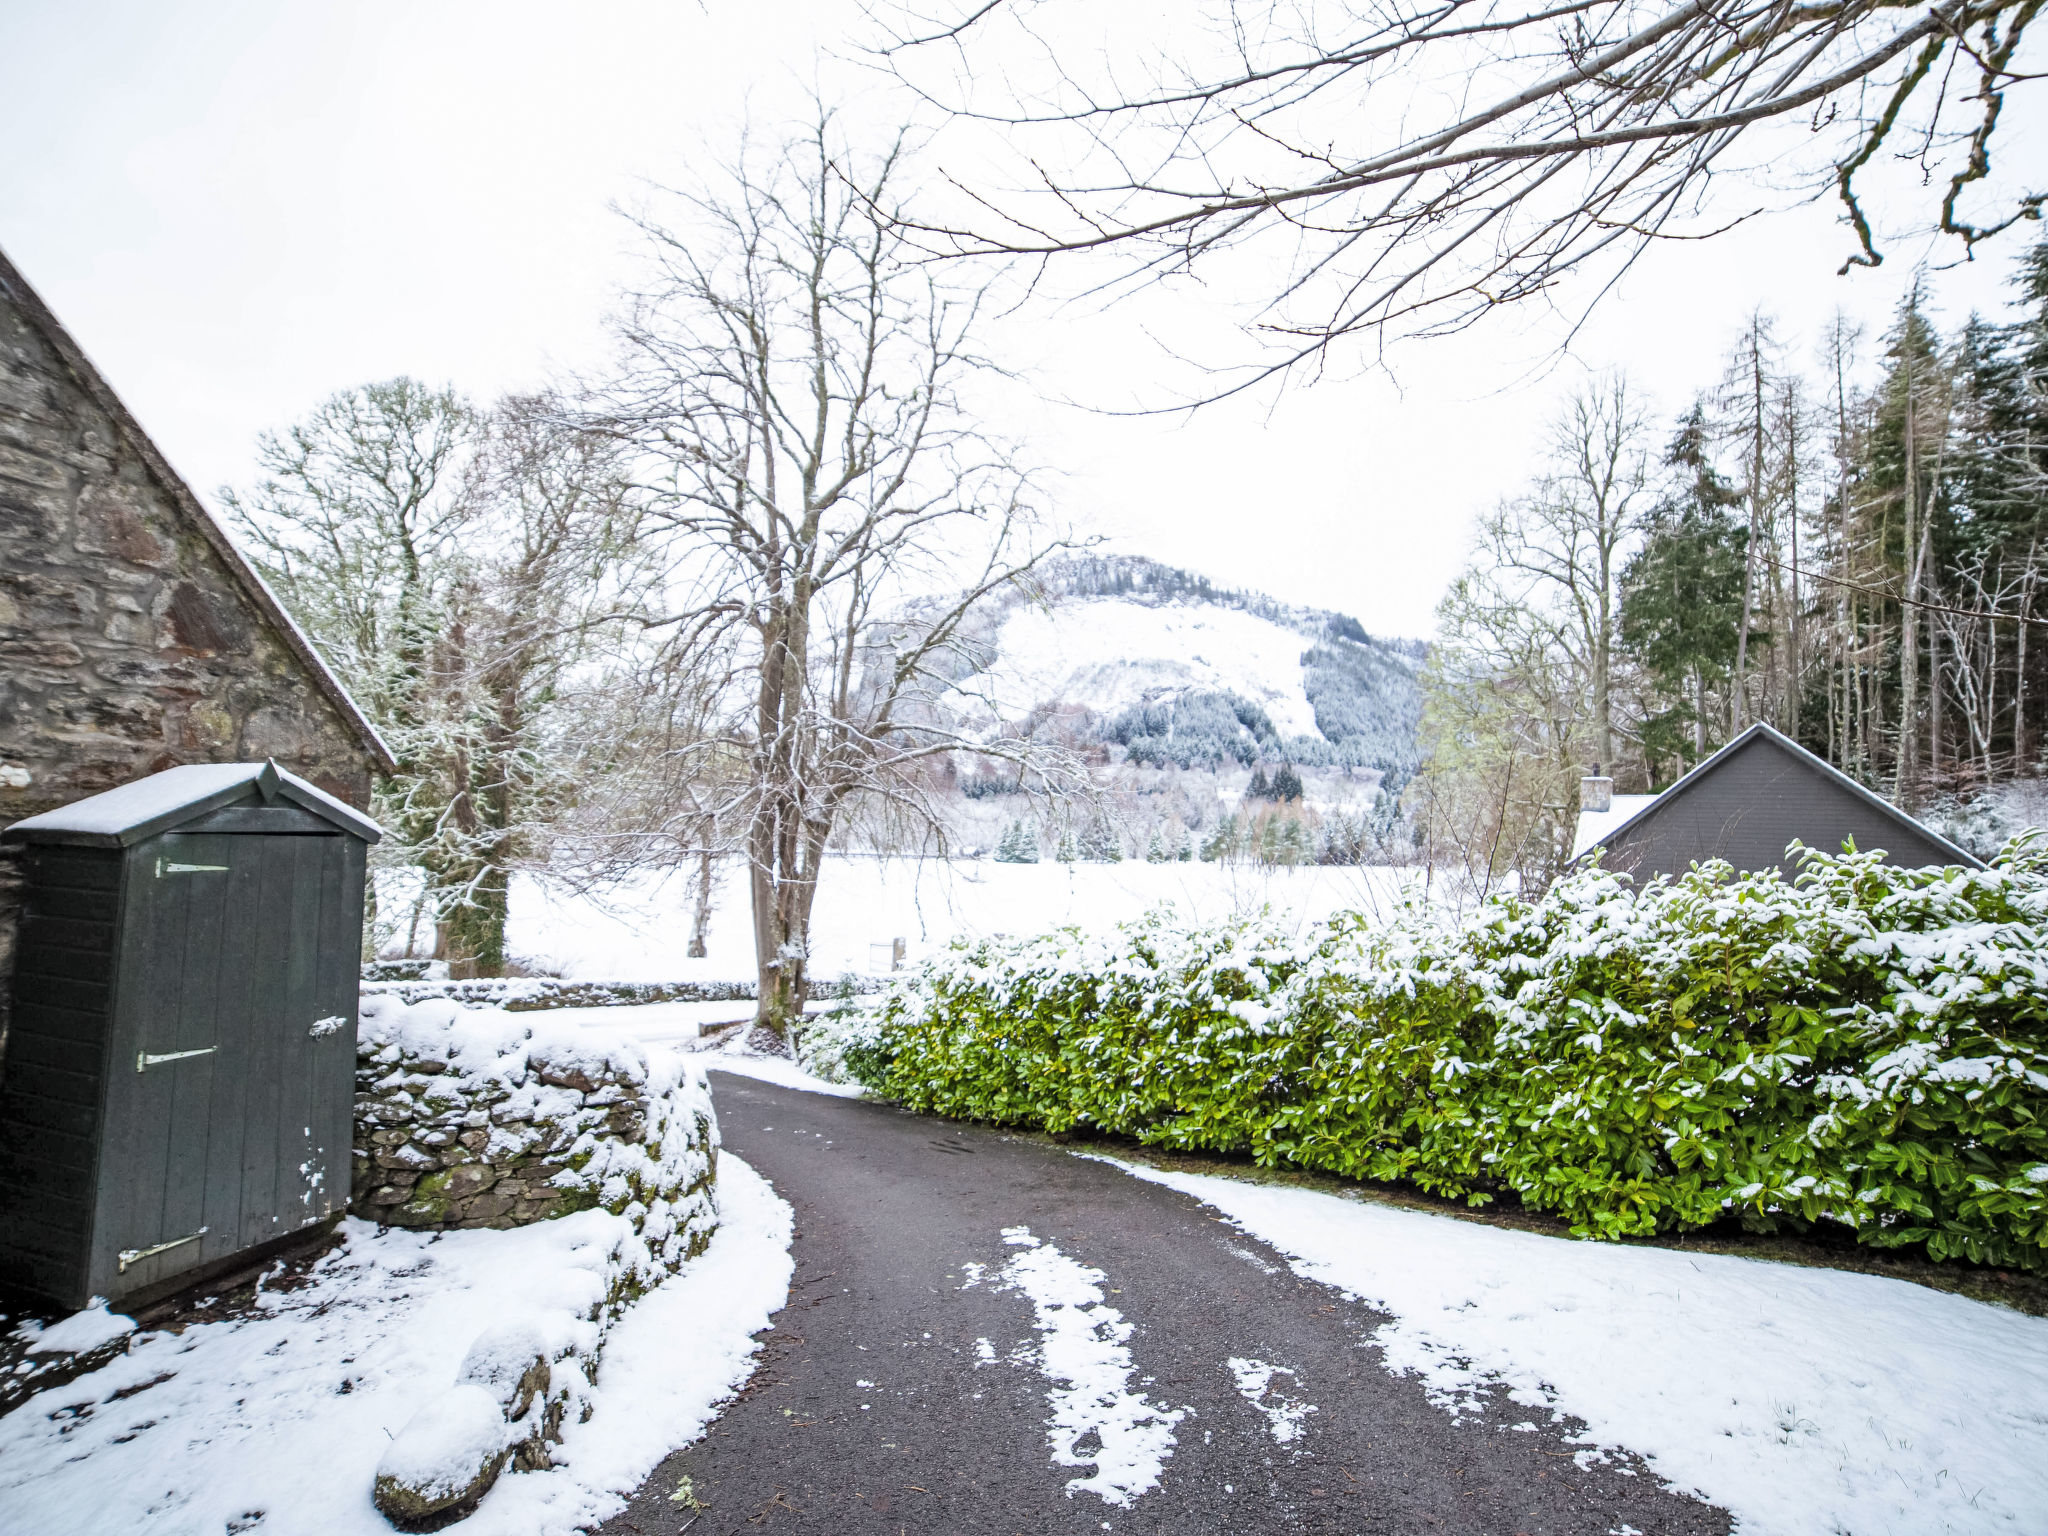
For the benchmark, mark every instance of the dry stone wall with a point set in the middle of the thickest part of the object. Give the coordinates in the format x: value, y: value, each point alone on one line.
x: 471, y: 1117
x: 467, y: 1117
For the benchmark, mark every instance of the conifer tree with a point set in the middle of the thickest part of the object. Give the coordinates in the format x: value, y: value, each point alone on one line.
x: 1155, y: 850
x: 1221, y: 841
x: 1681, y: 601
x: 1019, y: 844
x: 1101, y: 845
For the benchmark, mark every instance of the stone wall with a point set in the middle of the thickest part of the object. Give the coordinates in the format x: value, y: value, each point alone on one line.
x: 128, y: 643
x: 470, y: 1117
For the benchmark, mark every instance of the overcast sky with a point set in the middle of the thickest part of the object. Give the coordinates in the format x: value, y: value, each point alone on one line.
x: 239, y: 208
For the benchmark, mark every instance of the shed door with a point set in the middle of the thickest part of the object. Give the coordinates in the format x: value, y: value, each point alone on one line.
x: 236, y: 1001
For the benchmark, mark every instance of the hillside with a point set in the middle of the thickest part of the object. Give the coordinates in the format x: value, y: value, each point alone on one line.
x: 1170, y: 670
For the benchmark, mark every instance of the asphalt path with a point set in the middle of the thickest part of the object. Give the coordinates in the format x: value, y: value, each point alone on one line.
x: 903, y: 1387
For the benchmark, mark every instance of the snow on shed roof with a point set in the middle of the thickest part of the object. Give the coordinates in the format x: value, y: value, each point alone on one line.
x: 121, y: 817
x: 1594, y: 826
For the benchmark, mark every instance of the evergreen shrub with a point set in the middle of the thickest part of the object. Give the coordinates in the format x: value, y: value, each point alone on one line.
x: 1865, y: 1047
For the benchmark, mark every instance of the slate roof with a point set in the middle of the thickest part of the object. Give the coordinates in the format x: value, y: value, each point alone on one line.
x: 1753, y: 797
x: 254, y: 588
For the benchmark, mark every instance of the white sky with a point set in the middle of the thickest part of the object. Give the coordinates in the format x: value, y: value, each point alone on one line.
x: 239, y: 208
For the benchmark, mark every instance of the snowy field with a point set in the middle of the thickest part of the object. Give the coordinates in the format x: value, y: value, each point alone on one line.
x: 641, y: 932
x: 275, y: 1423
x: 1807, y: 1402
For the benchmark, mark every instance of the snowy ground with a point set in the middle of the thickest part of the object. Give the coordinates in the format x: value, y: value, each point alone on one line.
x: 1806, y: 1402
x: 640, y: 932
x: 274, y: 1424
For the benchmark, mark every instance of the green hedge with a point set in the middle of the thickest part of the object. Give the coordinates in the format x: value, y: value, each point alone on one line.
x: 1864, y: 1046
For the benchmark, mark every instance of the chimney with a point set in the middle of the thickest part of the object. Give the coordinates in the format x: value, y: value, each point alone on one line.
x: 1596, y: 794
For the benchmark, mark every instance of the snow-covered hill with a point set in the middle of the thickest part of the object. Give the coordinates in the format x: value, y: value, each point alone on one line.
x: 1170, y: 668
x: 1109, y: 653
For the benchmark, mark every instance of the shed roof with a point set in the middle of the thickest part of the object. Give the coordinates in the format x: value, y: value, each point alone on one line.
x: 125, y: 816
x: 1667, y: 818
x: 245, y: 576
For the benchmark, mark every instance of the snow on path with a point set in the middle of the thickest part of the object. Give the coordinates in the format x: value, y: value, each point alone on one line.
x: 1801, y: 1400
x: 782, y: 1073
x: 1083, y: 1354
x: 1284, y: 1414
x: 675, y: 1024
x: 284, y: 1415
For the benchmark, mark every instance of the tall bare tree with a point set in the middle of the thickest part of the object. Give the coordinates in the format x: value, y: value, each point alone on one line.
x: 791, y: 386
x: 1416, y: 165
x: 1520, y: 695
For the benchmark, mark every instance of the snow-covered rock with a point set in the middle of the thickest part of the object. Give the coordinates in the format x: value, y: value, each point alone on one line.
x: 445, y: 1459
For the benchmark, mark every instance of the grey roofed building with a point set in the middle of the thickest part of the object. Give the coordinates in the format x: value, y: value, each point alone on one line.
x: 1752, y: 799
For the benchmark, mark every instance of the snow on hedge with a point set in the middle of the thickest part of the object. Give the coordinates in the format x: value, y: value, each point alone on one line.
x: 1865, y: 1046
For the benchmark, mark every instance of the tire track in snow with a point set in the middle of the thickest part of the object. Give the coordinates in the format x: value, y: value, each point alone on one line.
x: 1082, y: 1352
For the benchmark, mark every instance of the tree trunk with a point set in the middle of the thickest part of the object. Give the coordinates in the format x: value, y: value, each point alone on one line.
x: 700, y: 921
x: 1905, y: 771
x: 472, y: 929
x: 1934, y: 704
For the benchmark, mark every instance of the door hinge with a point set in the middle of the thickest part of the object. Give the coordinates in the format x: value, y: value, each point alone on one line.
x: 169, y: 867
x: 144, y: 1061
x: 129, y: 1256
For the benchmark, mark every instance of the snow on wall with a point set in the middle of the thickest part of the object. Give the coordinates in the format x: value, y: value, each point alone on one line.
x: 1107, y: 655
x: 474, y: 1117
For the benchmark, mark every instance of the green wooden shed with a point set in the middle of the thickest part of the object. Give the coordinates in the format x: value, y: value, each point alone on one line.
x: 178, y: 1083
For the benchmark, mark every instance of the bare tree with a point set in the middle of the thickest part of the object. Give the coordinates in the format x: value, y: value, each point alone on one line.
x: 1556, y: 552
x: 1519, y: 695
x: 791, y: 386
x: 1415, y: 166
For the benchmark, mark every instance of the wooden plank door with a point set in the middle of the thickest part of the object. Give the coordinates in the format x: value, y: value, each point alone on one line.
x: 228, y: 1141
x: 300, y: 1028
x: 171, y: 1061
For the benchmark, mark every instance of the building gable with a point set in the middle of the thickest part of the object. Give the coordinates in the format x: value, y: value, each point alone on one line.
x: 1755, y: 796
x: 133, y: 634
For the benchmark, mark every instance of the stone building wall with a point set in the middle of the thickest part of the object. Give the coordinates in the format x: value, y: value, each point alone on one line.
x: 129, y: 639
